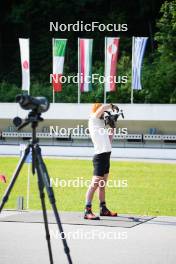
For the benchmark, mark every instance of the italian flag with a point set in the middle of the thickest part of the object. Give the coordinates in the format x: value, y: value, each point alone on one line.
x: 85, y: 64
x: 59, y: 46
x: 111, y: 56
x: 24, y: 52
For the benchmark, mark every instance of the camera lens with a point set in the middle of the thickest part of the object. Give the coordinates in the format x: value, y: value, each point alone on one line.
x: 19, y: 98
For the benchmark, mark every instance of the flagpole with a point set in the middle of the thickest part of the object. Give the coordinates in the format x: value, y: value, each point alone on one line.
x: 133, y: 55
x: 131, y: 95
x: 28, y: 187
x: 105, y: 74
x: 29, y: 69
x: 52, y: 70
x: 53, y: 95
x: 104, y: 95
x: 78, y: 74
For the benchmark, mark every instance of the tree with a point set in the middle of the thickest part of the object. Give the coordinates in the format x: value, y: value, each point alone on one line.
x: 162, y: 81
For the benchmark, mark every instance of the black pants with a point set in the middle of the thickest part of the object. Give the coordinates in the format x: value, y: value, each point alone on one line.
x: 101, y: 163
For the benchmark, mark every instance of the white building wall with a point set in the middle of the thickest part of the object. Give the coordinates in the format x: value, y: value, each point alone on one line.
x: 59, y: 111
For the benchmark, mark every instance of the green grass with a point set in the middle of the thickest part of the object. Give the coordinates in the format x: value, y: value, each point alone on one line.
x: 151, y: 187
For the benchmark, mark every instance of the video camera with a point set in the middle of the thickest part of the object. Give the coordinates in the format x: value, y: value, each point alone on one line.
x: 110, y: 117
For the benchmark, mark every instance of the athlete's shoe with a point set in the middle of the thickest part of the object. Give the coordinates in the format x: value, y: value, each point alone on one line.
x: 104, y: 211
x: 89, y: 215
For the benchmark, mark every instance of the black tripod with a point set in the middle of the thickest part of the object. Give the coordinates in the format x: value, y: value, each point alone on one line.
x: 43, y: 182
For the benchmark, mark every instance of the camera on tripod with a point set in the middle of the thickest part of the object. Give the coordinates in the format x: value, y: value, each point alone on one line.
x: 37, y: 105
x: 110, y: 117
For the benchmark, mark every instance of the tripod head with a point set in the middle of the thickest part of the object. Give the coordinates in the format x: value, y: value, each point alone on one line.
x: 33, y: 118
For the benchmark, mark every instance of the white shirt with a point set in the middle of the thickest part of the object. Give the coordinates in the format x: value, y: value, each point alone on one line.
x: 99, y: 135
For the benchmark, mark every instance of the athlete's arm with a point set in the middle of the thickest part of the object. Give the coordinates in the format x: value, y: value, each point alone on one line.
x: 101, y: 110
x: 111, y: 134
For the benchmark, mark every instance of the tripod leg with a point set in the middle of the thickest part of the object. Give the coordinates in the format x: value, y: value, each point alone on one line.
x: 42, y: 170
x: 42, y: 198
x: 14, y: 177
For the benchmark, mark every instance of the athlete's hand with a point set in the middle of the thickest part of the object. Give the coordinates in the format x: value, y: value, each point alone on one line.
x: 114, y: 107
